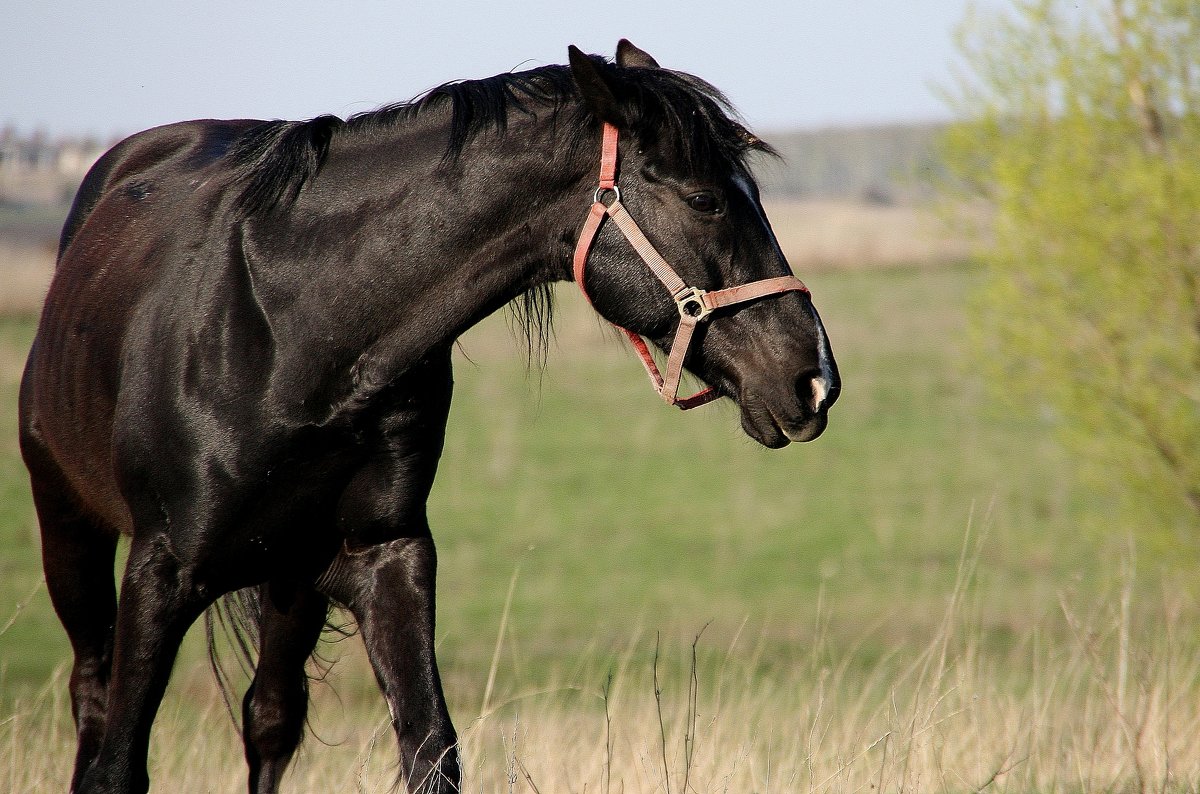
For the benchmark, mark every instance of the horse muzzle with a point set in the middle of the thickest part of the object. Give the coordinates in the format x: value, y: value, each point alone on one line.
x: 777, y: 411
x: 775, y: 420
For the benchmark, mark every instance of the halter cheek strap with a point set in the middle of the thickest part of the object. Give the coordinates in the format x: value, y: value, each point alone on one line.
x: 694, y: 304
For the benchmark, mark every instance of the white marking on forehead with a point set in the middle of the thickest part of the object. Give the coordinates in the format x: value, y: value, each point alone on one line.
x: 747, y: 189
x: 743, y: 184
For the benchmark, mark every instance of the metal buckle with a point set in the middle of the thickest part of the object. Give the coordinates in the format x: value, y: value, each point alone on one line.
x: 690, y: 302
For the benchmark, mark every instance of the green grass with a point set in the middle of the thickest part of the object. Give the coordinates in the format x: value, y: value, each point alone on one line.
x: 618, y: 515
x: 619, y: 512
x: 34, y: 642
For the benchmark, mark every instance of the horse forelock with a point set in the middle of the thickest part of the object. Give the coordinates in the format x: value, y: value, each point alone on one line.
x: 697, y: 118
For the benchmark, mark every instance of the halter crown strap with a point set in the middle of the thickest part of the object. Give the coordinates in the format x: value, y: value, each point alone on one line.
x: 694, y: 304
x: 608, y: 158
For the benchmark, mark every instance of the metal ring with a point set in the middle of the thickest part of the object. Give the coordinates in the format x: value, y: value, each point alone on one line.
x: 600, y: 191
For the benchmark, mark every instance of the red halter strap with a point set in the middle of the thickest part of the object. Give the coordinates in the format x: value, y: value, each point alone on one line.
x: 694, y: 304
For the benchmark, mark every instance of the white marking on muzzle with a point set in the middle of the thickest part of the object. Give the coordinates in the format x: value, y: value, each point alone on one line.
x: 820, y: 390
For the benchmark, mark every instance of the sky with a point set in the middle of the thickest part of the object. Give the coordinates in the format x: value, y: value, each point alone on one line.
x: 108, y: 68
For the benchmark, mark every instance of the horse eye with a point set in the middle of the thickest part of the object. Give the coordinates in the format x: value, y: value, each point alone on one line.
x: 705, y: 203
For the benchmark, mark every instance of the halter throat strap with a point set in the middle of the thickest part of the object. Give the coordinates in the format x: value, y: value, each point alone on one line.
x: 695, y: 305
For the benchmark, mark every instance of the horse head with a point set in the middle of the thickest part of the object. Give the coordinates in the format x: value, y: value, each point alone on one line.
x: 689, y: 254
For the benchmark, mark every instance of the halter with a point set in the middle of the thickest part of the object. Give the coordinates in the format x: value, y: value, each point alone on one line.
x: 694, y: 304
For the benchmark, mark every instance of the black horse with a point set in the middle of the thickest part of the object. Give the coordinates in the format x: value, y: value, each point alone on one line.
x: 244, y: 364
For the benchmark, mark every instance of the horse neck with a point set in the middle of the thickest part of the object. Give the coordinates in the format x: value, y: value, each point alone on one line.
x: 394, y: 251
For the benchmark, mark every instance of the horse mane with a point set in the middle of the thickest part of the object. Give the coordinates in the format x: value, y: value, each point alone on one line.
x: 274, y: 160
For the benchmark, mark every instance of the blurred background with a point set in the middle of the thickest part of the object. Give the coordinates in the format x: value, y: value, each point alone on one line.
x: 981, y: 576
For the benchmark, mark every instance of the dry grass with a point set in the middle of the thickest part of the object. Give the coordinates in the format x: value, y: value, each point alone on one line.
x: 25, y: 272
x: 825, y: 234
x: 849, y: 235
x: 1112, y: 709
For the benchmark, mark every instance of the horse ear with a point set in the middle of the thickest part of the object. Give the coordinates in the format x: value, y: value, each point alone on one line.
x: 629, y: 55
x: 597, y: 95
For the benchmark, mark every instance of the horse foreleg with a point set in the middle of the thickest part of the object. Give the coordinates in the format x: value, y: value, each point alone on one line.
x: 157, y: 604
x: 275, y: 706
x: 389, y: 588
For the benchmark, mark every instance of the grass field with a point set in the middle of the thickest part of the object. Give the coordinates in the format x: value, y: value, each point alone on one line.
x: 846, y: 641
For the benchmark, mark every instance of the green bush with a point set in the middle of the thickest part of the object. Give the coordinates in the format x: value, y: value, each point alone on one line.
x: 1081, y: 132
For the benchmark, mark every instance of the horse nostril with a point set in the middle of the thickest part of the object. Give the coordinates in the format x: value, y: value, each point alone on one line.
x: 823, y: 394
x: 820, y: 393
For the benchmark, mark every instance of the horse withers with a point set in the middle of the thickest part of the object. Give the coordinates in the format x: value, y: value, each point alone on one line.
x: 243, y: 364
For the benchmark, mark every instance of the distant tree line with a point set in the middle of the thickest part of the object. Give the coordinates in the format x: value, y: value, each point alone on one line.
x: 888, y: 164
x: 38, y: 170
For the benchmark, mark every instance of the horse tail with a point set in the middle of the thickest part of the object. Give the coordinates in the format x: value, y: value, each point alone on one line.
x: 233, y: 622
